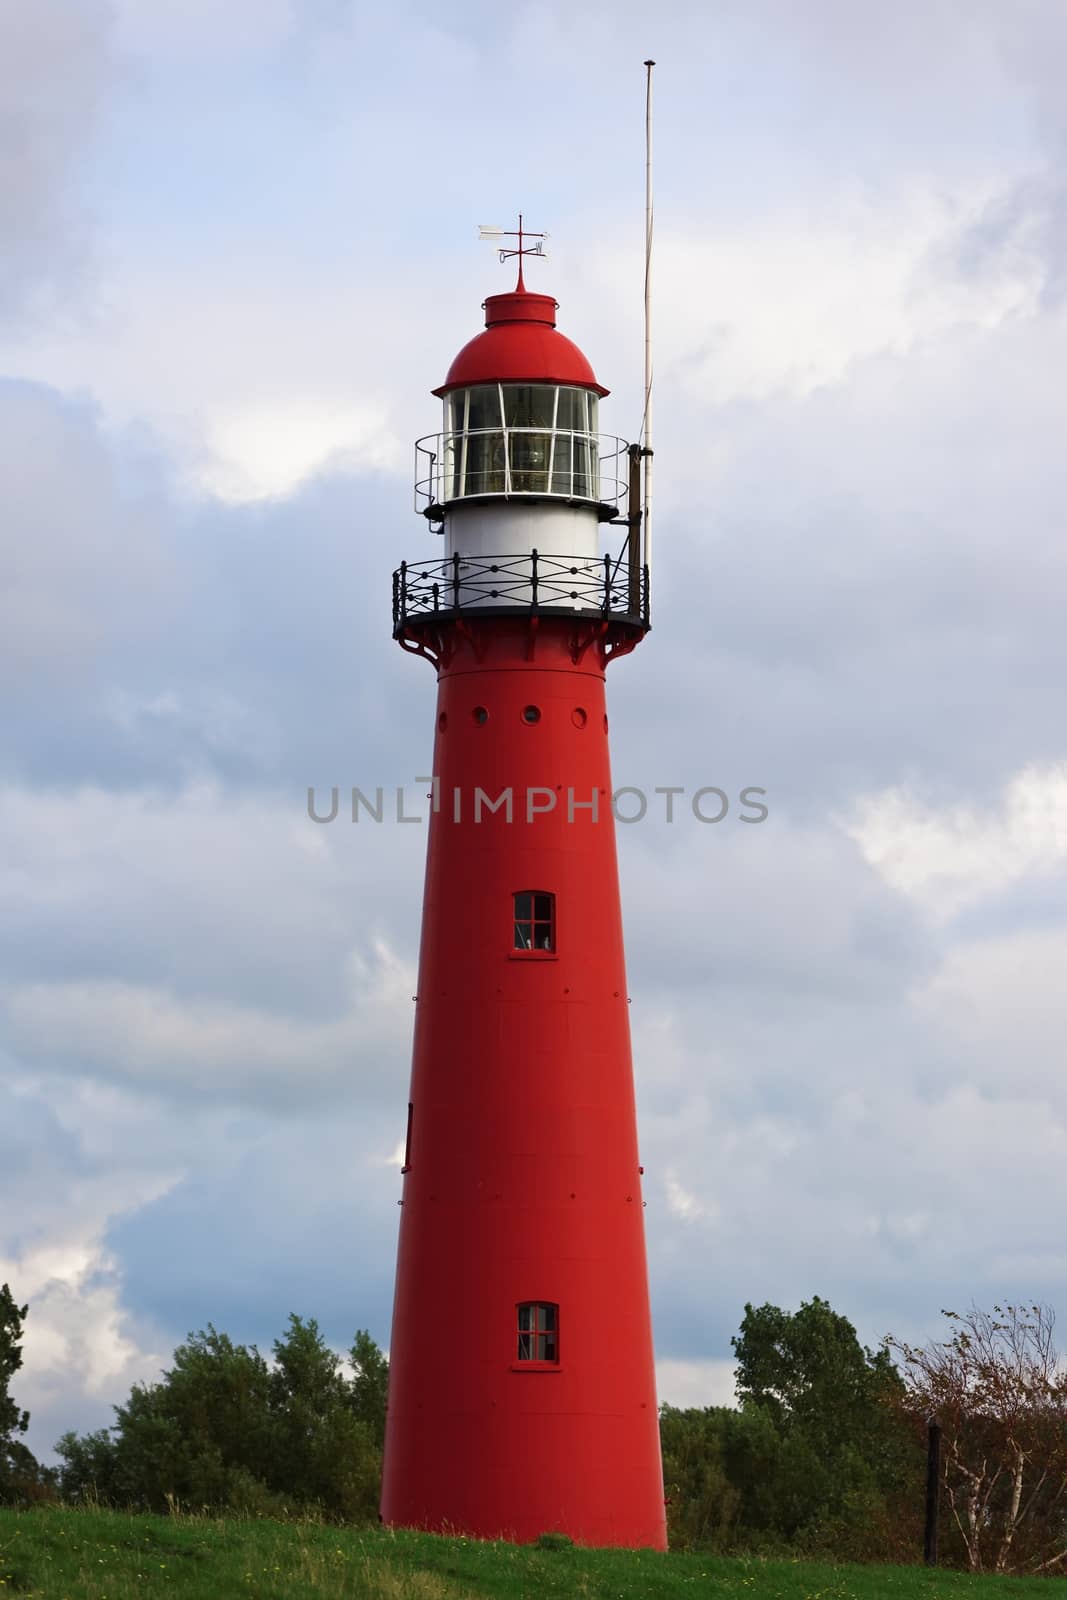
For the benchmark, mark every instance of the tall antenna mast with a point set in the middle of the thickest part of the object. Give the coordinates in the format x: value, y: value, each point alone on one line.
x: 646, y: 426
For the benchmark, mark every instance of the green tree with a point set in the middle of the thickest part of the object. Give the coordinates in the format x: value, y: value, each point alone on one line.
x: 370, y: 1385
x: 22, y: 1478
x: 203, y: 1435
x: 12, y: 1419
x: 816, y: 1457
x: 848, y: 1474
x: 227, y: 1429
x: 90, y: 1467
x: 736, y: 1478
x: 703, y: 1501
x: 325, y: 1453
x: 809, y: 1366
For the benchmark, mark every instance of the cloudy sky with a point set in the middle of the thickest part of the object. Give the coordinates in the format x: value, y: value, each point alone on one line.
x: 238, y: 250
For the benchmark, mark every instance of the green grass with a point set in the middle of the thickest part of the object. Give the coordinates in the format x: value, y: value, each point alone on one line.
x: 52, y: 1554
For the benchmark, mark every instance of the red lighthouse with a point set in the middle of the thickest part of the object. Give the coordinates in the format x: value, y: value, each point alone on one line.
x: 522, y: 1391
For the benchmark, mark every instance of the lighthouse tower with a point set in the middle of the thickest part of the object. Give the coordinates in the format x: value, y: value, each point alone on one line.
x: 522, y: 1393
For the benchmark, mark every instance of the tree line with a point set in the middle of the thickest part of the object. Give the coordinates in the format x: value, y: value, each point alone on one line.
x: 223, y: 1429
x: 824, y: 1453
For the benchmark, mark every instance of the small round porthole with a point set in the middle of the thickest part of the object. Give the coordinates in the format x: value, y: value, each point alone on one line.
x: 531, y: 714
x: 480, y: 714
x: 579, y: 717
x: 442, y: 721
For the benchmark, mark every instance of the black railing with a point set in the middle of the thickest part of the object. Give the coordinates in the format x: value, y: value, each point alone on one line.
x: 530, y: 583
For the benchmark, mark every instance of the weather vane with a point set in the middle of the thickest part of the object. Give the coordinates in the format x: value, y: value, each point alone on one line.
x: 521, y: 234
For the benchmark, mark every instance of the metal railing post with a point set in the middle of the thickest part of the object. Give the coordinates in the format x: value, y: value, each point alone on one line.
x: 533, y: 578
x: 455, y: 581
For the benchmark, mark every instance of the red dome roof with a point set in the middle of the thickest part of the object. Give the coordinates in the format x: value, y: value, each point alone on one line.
x: 520, y: 345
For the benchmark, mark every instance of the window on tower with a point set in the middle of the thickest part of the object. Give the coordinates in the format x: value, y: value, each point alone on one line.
x: 475, y: 441
x: 538, y: 1332
x: 407, y: 1140
x: 535, y: 921
x: 529, y: 405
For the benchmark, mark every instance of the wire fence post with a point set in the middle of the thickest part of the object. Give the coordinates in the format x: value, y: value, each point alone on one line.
x: 933, y: 1489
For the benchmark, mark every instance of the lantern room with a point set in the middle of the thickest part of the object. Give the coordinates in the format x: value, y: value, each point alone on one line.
x: 520, y: 421
x: 520, y: 480
x: 512, y: 438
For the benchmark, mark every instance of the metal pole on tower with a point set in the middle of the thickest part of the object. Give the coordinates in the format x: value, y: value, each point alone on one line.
x: 646, y: 428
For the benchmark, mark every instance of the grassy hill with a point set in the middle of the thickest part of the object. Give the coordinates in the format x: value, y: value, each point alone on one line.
x: 107, y: 1555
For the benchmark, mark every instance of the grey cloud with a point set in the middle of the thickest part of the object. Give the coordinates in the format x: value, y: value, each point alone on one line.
x: 230, y: 644
x: 1023, y: 228
x: 236, y: 1245
x: 871, y: 589
x: 236, y: 899
x: 82, y: 561
x: 775, y: 907
x: 55, y: 70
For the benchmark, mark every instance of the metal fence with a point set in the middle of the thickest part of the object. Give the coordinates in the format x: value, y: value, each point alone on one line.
x: 530, y: 583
